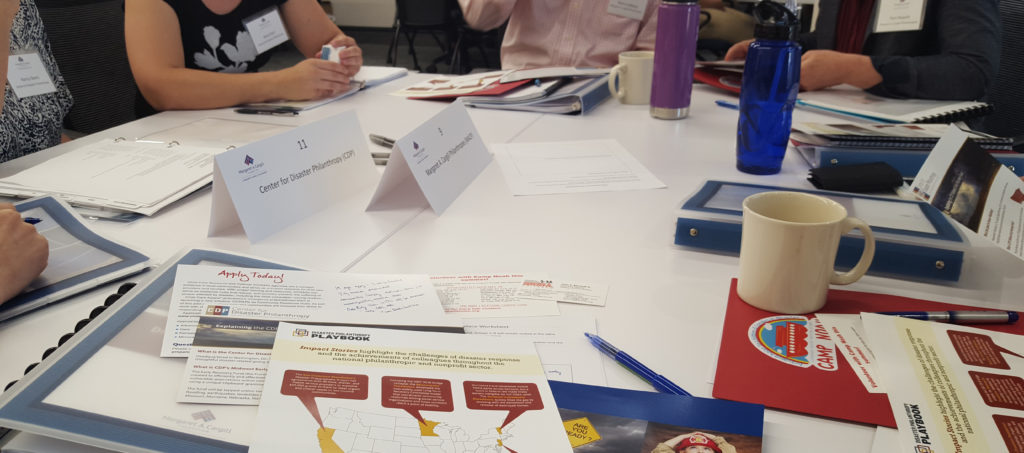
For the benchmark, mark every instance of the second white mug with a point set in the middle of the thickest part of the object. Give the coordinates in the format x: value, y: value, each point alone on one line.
x: 630, y: 80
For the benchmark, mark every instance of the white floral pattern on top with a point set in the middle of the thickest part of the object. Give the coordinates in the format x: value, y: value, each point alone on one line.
x: 239, y: 54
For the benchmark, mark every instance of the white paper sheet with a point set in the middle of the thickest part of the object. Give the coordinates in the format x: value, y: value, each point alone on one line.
x: 564, y: 352
x: 295, y: 296
x: 847, y: 333
x: 571, y: 166
x: 488, y: 296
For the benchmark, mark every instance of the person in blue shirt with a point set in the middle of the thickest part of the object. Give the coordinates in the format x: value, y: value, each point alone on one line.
x: 23, y: 252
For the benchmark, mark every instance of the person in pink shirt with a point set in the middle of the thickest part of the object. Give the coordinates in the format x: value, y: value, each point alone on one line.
x: 581, y: 33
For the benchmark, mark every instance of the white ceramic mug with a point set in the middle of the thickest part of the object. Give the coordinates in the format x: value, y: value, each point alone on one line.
x: 633, y: 75
x: 788, y: 251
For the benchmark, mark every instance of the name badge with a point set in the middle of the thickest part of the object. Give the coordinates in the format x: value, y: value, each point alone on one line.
x: 630, y: 9
x: 442, y: 156
x: 272, y: 183
x: 28, y: 76
x: 267, y: 30
x: 899, y: 15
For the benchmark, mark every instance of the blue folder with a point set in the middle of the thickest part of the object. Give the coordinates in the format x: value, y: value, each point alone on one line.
x: 710, y: 220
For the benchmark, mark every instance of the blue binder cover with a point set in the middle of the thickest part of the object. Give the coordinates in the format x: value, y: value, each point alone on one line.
x: 79, y: 260
x: 44, y: 401
x: 653, y: 417
x: 908, y: 163
x: 932, y: 254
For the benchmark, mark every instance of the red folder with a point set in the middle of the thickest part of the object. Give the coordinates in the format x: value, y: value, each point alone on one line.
x: 770, y: 359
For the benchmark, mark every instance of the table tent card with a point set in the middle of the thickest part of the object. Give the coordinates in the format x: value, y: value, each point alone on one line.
x: 270, y: 184
x: 443, y: 156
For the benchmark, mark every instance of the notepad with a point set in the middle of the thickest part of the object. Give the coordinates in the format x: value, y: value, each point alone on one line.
x: 851, y: 101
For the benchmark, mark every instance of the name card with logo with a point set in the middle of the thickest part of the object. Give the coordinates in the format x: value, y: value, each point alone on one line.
x: 266, y: 29
x: 899, y: 15
x: 28, y: 76
x: 436, y: 161
x: 272, y: 183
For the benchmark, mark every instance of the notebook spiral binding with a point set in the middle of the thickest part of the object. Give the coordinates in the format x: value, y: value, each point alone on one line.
x: 110, y: 300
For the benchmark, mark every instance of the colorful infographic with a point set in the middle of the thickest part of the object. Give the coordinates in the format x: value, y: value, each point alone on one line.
x: 347, y: 389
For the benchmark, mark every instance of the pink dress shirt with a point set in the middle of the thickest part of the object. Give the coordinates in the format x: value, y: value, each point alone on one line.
x: 562, y: 32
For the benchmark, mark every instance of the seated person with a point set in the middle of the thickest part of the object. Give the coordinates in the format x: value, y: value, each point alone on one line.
x: 561, y: 32
x: 954, y: 56
x: 30, y: 122
x: 188, y: 54
x: 23, y: 252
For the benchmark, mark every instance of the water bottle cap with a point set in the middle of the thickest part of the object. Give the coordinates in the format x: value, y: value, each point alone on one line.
x: 775, y: 21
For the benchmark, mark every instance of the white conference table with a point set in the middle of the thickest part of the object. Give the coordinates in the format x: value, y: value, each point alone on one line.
x: 665, y: 304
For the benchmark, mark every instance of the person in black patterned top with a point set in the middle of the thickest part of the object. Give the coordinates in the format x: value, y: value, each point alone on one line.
x: 203, y: 54
x: 32, y: 121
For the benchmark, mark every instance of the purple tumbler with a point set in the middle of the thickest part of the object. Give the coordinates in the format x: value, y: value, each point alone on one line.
x: 675, y: 52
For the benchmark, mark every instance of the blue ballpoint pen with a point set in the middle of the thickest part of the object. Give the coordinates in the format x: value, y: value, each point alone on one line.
x: 32, y: 220
x: 659, y: 382
x: 960, y: 317
x: 727, y: 104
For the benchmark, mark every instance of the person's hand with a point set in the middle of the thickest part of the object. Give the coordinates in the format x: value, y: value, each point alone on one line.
x: 738, y: 51
x: 723, y: 444
x: 821, y: 69
x: 351, y: 57
x: 23, y: 252
x: 313, y: 78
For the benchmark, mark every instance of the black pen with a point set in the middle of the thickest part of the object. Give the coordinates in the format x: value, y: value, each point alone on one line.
x: 382, y: 141
x: 288, y: 111
x: 32, y: 220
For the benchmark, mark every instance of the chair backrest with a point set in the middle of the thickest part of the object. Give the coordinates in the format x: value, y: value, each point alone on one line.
x: 1006, y: 95
x: 423, y: 13
x: 87, y: 38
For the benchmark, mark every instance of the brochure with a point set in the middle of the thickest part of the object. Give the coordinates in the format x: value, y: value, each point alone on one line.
x: 296, y: 296
x: 332, y: 389
x: 602, y: 419
x: 952, y: 388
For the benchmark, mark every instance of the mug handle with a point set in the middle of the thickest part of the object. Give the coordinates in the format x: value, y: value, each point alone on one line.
x: 866, y: 256
x: 613, y: 77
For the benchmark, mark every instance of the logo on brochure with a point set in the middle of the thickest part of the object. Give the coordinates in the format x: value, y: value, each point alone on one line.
x: 206, y: 416
x: 923, y: 449
x: 300, y: 333
x: 218, y: 310
x: 415, y: 145
x: 795, y: 340
x: 1017, y: 196
x: 249, y: 160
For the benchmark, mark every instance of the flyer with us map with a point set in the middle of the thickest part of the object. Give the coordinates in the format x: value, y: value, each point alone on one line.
x: 348, y: 389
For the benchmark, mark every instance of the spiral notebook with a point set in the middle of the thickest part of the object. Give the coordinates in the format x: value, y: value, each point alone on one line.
x: 850, y: 101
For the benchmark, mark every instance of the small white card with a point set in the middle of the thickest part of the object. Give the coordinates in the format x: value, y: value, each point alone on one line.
x: 564, y: 291
x: 272, y: 183
x: 27, y: 75
x: 443, y: 155
x: 489, y: 296
x: 631, y: 9
x: 267, y: 30
x: 899, y: 15
x: 847, y: 333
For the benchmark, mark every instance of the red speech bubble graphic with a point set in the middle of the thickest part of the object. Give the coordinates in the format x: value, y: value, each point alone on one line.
x: 1000, y: 391
x: 308, y: 385
x: 1012, y: 430
x: 416, y: 394
x: 515, y: 398
x: 979, y: 350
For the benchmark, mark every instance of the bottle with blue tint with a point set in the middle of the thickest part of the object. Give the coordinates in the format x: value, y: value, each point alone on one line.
x: 771, y: 80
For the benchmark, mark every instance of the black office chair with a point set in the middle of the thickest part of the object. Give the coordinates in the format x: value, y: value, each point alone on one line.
x: 435, y: 17
x: 1007, y: 118
x: 87, y: 38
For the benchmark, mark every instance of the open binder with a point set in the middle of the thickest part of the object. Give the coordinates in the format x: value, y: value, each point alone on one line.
x: 913, y: 240
x: 107, y: 386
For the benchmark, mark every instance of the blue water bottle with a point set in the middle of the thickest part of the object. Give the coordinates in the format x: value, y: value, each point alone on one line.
x: 771, y: 80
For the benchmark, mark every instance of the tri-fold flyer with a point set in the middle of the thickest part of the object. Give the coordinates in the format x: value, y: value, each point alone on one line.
x: 347, y: 389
